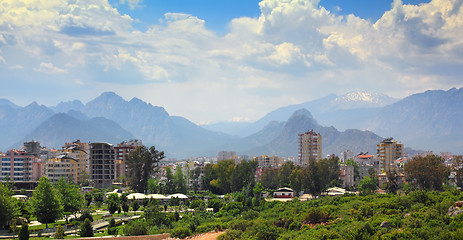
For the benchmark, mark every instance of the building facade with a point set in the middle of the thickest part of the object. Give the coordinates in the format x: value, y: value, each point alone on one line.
x: 61, y: 167
x: 17, y: 165
x: 310, y: 147
x: 102, y: 163
x: 389, y: 150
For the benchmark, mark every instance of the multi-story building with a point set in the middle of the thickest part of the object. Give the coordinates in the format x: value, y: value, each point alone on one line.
x: 61, y: 166
x: 17, y: 165
x: 79, y: 152
x: 122, y: 151
x: 346, y: 155
x: 310, y: 147
x: 102, y: 163
x: 226, y: 155
x: 389, y: 150
x: 266, y: 161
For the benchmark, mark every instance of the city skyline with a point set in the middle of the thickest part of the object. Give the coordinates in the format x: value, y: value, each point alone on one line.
x: 214, y: 61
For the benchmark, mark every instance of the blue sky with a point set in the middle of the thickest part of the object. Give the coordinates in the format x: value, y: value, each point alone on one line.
x: 221, y: 60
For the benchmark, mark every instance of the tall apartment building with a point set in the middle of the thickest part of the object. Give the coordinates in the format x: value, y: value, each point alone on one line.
x: 78, y: 151
x: 310, y: 147
x: 266, y: 161
x: 388, y: 151
x: 122, y: 151
x: 102, y: 163
x: 17, y: 165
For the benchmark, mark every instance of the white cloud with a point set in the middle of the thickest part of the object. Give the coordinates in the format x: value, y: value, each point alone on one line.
x: 49, y: 68
x: 294, y: 51
x: 133, y: 4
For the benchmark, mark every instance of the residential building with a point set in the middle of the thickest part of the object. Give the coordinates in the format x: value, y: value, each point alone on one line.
x: 345, y: 155
x: 102, y: 163
x: 266, y: 161
x: 310, y: 147
x: 17, y: 165
x: 226, y: 155
x: 388, y: 151
x: 62, y: 166
x: 122, y: 151
x: 78, y: 151
x: 347, y: 175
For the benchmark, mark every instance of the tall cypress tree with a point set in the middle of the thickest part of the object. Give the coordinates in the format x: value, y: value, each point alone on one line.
x: 141, y: 164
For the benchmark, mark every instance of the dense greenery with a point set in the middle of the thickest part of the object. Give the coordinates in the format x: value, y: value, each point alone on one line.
x: 7, y: 205
x: 46, y: 202
x: 141, y: 164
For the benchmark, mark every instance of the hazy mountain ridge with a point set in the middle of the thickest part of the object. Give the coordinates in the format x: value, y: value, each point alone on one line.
x: 432, y: 116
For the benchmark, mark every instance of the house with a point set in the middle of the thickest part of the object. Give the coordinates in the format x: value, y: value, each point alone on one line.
x: 284, y: 193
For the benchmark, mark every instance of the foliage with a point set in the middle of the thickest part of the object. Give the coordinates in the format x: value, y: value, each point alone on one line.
x: 24, y: 232
x: 243, y: 175
x: 135, y: 228
x: 198, y: 205
x: 86, y: 229
x: 59, y: 234
x: 367, y: 186
x: 88, y: 198
x: 98, y: 196
x: 195, y: 175
x: 153, y: 186
x: 112, y: 201
x: 168, y: 185
x: 426, y: 172
x: 70, y: 196
x: 154, y: 216
x: 112, y: 230
x: 46, y: 202
x: 141, y: 164
x: 180, y: 232
x: 392, y: 184
x: 7, y: 205
x: 283, y: 174
x: 459, y: 171
x: 135, y: 205
x: 215, y: 204
x: 269, y: 179
x: 179, y: 181
x: 86, y: 214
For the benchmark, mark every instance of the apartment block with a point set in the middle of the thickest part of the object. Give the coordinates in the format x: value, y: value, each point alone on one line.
x: 310, y: 147
x: 62, y: 166
x: 17, y: 165
x: 122, y: 151
x: 388, y: 151
x: 102, y: 163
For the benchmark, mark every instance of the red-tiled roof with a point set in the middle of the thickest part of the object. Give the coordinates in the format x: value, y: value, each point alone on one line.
x: 365, y: 156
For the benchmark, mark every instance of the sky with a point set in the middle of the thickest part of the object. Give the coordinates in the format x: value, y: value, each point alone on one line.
x: 226, y: 60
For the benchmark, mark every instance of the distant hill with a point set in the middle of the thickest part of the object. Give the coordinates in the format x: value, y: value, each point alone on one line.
x: 333, y: 141
x: 431, y: 120
x: 61, y: 128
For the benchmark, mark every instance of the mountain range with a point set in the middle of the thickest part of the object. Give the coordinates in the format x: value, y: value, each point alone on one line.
x: 356, y: 121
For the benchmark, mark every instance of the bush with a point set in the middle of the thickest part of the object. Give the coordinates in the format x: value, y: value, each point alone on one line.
x: 59, y: 234
x: 216, y: 204
x: 24, y: 232
x: 180, y: 232
x: 230, y: 235
x: 241, y: 225
x: 135, y: 228
x: 86, y: 215
x: 198, y: 204
x: 315, y: 216
x: 86, y: 229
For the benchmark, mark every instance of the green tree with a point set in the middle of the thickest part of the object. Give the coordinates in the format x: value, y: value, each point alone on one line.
x: 297, y: 178
x: 86, y: 229
x: 124, y: 203
x: 135, y: 205
x: 269, y: 178
x: 141, y: 164
x: 215, y: 204
x: 284, y: 173
x: 367, y: 186
x: 88, y: 198
x: 179, y: 180
x: 70, y: 197
x: 243, y: 175
x: 313, y: 183
x: 7, y: 205
x: 112, y: 230
x: 24, y: 232
x: 59, y: 234
x: 459, y: 171
x: 112, y: 201
x: 329, y: 172
x: 169, y: 183
x: 195, y: 175
x: 392, y: 184
x: 223, y: 171
x: 153, y: 186
x: 46, y: 202
x: 98, y: 196
x: 426, y: 172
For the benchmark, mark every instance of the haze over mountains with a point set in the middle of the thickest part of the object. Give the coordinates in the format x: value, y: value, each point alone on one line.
x: 427, y: 121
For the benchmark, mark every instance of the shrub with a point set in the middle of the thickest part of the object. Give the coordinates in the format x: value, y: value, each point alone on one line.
x: 24, y: 232
x: 135, y: 228
x: 207, y: 227
x: 267, y: 231
x: 180, y: 232
x: 198, y: 205
x: 59, y: 234
x: 249, y: 215
x: 241, y: 225
x: 316, y: 215
x: 230, y: 235
x: 86, y: 229
x: 216, y: 204
x: 86, y: 215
